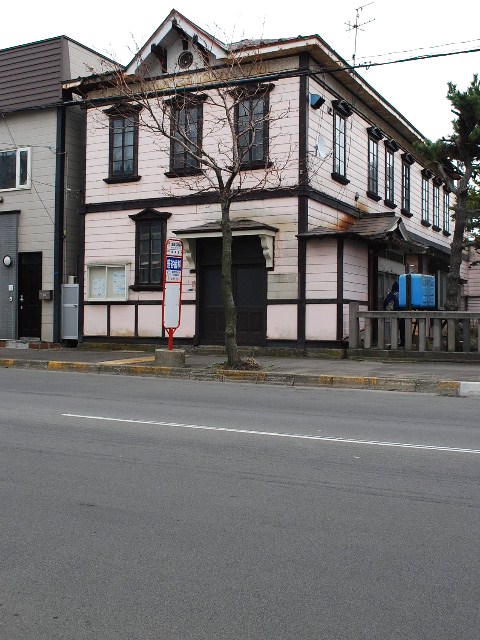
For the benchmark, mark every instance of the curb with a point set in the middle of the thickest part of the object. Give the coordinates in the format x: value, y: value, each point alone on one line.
x: 441, y: 387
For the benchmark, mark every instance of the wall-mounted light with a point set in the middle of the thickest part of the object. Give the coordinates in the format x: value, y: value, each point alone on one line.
x: 7, y: 261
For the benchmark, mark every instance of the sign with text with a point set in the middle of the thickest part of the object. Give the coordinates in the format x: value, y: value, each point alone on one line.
x: 172, y: 287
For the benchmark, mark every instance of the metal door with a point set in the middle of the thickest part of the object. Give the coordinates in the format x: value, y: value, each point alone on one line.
x: 29, y: 284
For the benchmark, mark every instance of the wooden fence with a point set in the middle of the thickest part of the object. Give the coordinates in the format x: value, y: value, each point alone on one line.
x: 424, y: 330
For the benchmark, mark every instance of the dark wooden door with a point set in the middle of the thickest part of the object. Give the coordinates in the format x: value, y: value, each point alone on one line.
x: 249, y: 277
x: 29, y: 284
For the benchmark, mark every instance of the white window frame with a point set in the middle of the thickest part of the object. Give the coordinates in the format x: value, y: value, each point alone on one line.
x: 18, y: 152
x: 106, y: 297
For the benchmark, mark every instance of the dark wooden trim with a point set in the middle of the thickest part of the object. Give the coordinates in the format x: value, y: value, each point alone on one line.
x: 342, y: 107
x: 425, y: 223
x: 390, y: 204
x: 436, y: 227
x: 303, y: 179
x: 249, y: 93
x: 138, y: 303
x: 281, y: 301
x: 108, y: 318
x: 340, y: 255
x: 446, y: 233
x: 136, y: 321
x: 374, y: 196
x: 212, y: 198
x: 338, y: 177
x: 11, y: 211
x: 426, y: 173
x: 375, y: 133
x: 407, y: 158
x: 392, y: 145
x: 146, y: 287
x: 407, y: 214
x: 183, y: 173
x: 58, y: 249
x: 120, y: 179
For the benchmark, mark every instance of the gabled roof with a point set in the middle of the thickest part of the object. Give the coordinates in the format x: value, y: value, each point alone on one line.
x: 174, y: 23
x: 374, y: 226
x: 236, y: 225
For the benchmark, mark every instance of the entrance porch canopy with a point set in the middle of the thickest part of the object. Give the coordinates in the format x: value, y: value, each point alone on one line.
x: 240, y: 227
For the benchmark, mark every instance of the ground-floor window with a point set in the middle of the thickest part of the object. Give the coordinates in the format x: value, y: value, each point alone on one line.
x: 107, y: 282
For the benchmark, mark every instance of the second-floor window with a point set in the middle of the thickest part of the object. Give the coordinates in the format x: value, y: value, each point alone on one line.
x: 252, y: 124
x: 372, y: 166
x: 446, y: 212
x: 186, y: 141
x: 426, y: 175
x: 123, y: 157
x: 436, y: 206
x: 407, y: 161
x: 389, y: 176
x: 340, y: 145
x: 390, y: 148
x: 15, y: 169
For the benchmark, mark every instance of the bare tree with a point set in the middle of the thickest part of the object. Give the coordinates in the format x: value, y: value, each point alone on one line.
x: 216, y: 122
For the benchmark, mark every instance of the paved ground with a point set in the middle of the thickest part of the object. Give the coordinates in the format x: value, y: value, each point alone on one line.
x: 441, y: 377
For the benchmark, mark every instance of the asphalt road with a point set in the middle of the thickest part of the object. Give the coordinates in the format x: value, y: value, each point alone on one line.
x: 144, y: 509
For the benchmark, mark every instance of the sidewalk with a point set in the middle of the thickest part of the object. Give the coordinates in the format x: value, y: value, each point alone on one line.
x: 433, y: 377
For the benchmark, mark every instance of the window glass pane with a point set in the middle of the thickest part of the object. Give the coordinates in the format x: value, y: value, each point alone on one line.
x: 128, y: 153
x: 117, y: 140
x: 117, y: 154
x: 23, y: 178
x: 117, y: 168
x: 128, y: 167
x: 8, y: 162
x: 129, y: 137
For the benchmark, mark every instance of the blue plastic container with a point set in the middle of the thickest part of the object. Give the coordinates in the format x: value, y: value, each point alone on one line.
x: 416, y: 291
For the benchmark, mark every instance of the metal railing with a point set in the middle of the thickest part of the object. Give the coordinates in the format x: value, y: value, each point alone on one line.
x: 450, y: 331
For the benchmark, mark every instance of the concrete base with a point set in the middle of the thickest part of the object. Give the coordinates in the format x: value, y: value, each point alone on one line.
x: 166, y: 358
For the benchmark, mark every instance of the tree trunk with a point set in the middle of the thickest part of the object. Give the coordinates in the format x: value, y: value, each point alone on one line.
x: 457, y: 247
x: 231, y: 346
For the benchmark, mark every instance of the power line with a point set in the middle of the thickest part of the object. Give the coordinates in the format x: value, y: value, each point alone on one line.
x: 433, y: 46
x: 369, y: 65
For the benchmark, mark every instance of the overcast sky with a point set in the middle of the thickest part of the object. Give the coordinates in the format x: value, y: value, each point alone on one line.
x: 398, y: 30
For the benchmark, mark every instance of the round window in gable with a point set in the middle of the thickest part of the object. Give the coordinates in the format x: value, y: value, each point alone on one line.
x: 185, y: 59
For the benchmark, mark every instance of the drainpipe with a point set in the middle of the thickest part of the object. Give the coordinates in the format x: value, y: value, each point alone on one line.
x: 59, y: 221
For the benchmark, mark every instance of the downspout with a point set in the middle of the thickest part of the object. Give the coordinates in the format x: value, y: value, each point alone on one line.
x: 59, y: 221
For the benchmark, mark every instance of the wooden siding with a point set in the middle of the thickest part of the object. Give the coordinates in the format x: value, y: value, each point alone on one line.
x: 322, y: 269
x: 154, y: 152
x: 321, y: 122
x: 355, y: 271
x: 31, y: 74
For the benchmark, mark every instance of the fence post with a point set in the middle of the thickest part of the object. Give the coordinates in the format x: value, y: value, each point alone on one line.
x: 394, y: 332
x: 466, y: 335
x: 381, y: 333
x: 451, y: 334
x: 354, y: 325
x: 437, y: 334
x: 367, y: 342
x: 422, y: 334
x: 408, y: 334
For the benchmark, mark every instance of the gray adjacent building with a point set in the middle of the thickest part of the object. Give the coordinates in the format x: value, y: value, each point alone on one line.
x: 41, y: 181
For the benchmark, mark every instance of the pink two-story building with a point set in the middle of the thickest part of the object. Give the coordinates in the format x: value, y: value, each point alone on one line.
x: 332, y: 205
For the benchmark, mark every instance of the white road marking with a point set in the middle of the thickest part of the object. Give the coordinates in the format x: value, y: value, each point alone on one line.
x: 276, y: 434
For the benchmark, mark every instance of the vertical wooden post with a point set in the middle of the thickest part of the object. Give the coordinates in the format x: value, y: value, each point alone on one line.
x: 466, y: 335
x: 408, y: 334
x: 437, y: 334
x: 451, y: 334
x: 422, y: 334
x: 367, y: 343
x: 394, y: 332
x: 381, y: 333
x: 354, y: 326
